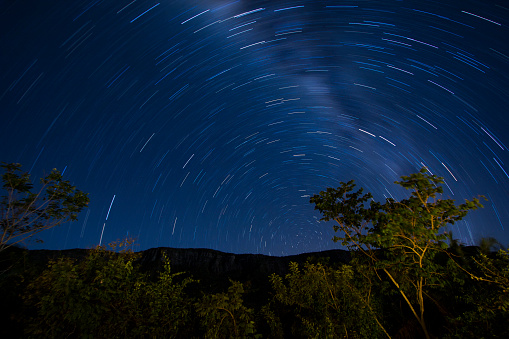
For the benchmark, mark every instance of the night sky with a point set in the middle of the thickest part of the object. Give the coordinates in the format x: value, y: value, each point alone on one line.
x: 209, y: 124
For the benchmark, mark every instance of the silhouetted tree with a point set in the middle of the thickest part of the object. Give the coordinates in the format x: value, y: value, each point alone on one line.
x: 24, y: 213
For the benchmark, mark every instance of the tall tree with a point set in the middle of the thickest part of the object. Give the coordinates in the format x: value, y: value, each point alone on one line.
x: 398, y: 239
x: 24, y: 212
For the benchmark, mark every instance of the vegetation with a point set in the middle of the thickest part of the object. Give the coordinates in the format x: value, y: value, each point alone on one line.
x: 24, y: 212
x: 408, y: 277
x: 399, y: 239
x: 480, y: 307
x: 322, y: 302
x: 224, y: 315
x: 105, y: 295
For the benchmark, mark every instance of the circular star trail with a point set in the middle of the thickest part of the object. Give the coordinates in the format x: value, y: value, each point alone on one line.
x: 210, y: 123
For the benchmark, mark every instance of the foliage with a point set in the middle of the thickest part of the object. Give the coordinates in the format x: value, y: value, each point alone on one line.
x: 105, y: 295
x: 161, y: 308
x: 25, y: 213
x: 224, y: 315
x: 483, y: 297
x: 397, y: 238
x: 486, y: 245
x: 496, y: 272
x: 322, y: 302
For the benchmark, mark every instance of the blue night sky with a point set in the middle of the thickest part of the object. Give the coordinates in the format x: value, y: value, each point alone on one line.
x: 210, y: 123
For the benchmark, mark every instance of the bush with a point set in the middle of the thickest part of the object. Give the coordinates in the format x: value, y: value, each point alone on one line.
x: 105, y: 296
x: 223, y: 315
x: 321, y: 302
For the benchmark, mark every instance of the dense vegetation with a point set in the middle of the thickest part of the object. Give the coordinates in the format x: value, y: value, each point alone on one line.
x: 408, y: 278
x: 107, y: 294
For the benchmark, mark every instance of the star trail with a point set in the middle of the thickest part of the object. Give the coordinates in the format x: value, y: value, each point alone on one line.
x: 209, y: 124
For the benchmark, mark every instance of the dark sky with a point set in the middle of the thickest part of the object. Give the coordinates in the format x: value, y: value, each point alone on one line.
x: 210, y: 123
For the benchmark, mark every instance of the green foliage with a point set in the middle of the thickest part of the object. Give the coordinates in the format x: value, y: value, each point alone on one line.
x: 160, y: 307
x: 399, y: 238
x: 25, y: 213
x: 483, y: 297
x: 105, y: 296
x: 496, y: 272
x: 486, y: 245
x: 223, y: 315
x: 321, y: 302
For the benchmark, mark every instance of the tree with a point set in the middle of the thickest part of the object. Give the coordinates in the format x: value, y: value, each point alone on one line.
x: 322, y: 302
x: 486, y: 245
x: 24, y: 212
x: 398, y: 239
